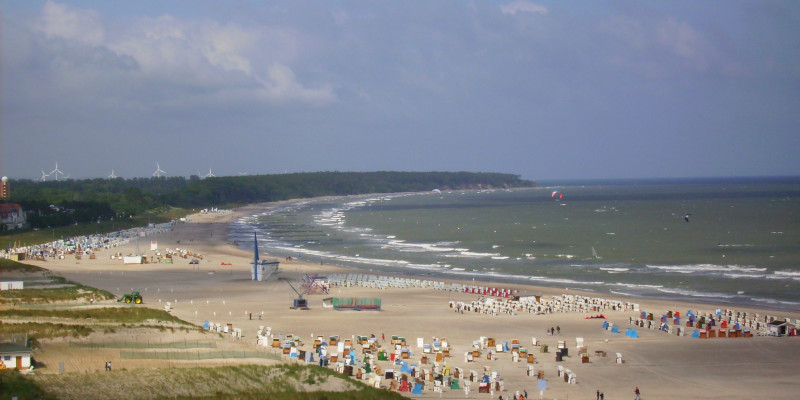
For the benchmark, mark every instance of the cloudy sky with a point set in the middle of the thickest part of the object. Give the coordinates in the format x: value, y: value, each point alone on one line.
x: 543, y: 89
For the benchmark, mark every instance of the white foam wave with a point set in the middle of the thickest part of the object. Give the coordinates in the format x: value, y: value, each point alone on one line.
x: 637, y: 285
x: 773, y: 301
x: 401, y: 245
x: 787, y: 273
x: 621, y: 293
x: 705, y: 268
x: 745, y: 276
x: 564, y: 280
x: 472, y: 254
x: 694, y: 293
x: 614, y: 270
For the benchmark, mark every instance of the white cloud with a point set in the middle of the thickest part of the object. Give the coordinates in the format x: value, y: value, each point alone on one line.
x: 657, y: 47
x: 62, y: 21
x: 685, y: 42
x: 187, y: 55
x: 523, y: 6
x: 225, y: 45
x: 281, y: 83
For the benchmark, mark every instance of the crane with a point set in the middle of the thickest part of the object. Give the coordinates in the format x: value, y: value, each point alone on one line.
x: 299, y: 303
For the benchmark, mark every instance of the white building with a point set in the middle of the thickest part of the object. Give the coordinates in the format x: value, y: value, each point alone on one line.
x: 12, y: 285
x: 265, y: 270
x: 15, y: 356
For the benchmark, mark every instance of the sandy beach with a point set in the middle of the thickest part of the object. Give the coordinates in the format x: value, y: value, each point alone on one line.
x: 662, y: 365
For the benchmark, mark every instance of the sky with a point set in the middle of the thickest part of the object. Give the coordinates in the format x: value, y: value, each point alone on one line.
x: 546, y: 90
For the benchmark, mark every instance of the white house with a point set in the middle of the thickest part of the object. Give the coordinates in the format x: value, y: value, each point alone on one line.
x: 12, y: 285
x: 781, y: 328
x: 15, y: 356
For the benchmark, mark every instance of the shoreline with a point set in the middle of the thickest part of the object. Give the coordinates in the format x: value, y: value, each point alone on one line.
x: 213, y: 291
x: 669, y: 294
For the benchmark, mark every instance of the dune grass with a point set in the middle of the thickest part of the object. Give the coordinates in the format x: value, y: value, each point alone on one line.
x: 127, y: 314
x: 50, y: 295
x: 16, y: 266
x: 15, y: 385
x: 43, y: 330
x: 230, y: 382
x: 66, y: 292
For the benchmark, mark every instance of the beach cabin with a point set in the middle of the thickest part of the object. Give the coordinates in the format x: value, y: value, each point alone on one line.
x: 12, y: 285
x: 527, y: 296
x: 129, y: 260
x: 265, y: 270
x: 15, y: 356
x: 781, y: 328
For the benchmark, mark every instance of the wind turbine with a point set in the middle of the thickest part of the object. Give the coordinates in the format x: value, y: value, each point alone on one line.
x: 159, y: 173
x: 44, y: 176
x: 209, y: 174
x: 112, y: 176
x: 57, y: 171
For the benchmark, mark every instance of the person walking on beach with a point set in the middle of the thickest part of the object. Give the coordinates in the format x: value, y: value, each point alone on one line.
x: 598, y: 394
x: 558, y: 328
x: 637, y: 393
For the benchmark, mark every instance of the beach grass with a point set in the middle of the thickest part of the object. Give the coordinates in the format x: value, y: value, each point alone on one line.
x: 229, y: 382
x: 33, y: 296
x: 15, y: 385
x: 8, y: 266
x: 129, y: 314
x: 43, y: 330
x: 62, y: 290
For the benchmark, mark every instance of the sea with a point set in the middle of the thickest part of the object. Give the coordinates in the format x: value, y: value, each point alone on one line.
x: 724, y: 241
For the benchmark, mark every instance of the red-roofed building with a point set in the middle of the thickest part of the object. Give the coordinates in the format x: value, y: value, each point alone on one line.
x: 11, y: 216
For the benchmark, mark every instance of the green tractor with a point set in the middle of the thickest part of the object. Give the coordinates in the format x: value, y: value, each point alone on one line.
x: 134, y: 297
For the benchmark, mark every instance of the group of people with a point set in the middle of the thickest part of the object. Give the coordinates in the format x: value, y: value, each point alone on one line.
x: 518, y: 396
x: 601, y: 396
x: 552, y: 331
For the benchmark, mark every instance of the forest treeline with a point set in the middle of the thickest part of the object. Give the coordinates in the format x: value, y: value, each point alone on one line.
x: 59, y: 203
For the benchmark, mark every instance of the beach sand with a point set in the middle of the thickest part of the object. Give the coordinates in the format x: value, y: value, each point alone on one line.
x: 663, y: 366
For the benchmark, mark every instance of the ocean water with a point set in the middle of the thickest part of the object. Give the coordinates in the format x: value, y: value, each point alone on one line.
x: 741, y: 244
